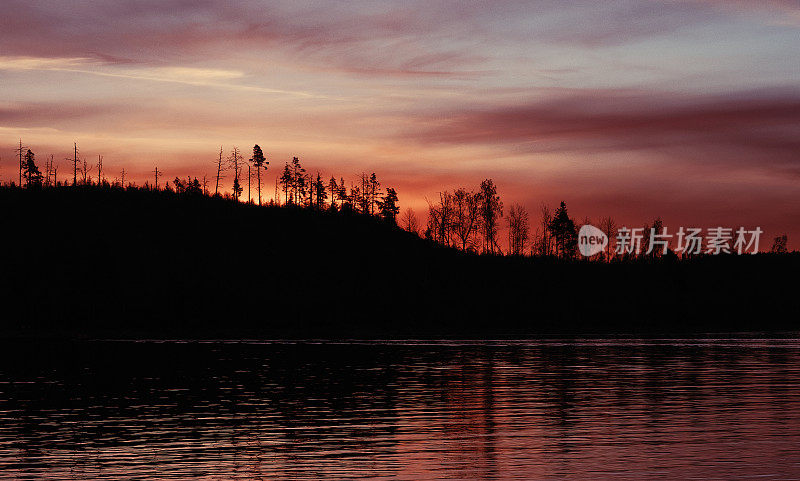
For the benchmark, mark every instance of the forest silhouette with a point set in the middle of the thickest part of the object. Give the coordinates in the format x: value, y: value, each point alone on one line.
x: 108, y: 258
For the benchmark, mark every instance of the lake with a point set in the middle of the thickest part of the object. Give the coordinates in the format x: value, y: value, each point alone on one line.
x: 554, y: 409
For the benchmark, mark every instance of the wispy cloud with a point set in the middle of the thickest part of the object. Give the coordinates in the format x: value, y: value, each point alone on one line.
x: 746, y: 128
x: 207, y: 77
x: 397, y: 40
x: 389, y: 39
x: 44, y: 63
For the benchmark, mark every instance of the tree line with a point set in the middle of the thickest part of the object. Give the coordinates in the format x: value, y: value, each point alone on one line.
x: 466, y: 219
x: 469, y: 220
x: 294, y: 187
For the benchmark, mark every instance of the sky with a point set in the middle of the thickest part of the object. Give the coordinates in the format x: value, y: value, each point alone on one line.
x: 685, y: 110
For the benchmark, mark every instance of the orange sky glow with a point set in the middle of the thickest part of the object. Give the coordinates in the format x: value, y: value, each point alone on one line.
x: 685, y: 110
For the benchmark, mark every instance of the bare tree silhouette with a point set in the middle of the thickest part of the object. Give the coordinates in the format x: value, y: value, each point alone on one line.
x: 74, y: 161
x: 466, y: 217
x: 543, y: 244
x: 440, y: 219
x: 409, y: 221
x: 491, y: 211
x: 608, y: 226
x: 85, y: 169
x: 220, y: 167
x: 99, y: 170
x: 50, y: 172
x: 21, y: 152
x: 518, y: 230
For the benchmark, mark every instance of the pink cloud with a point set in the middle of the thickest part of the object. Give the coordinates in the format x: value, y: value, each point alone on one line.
x: 755, y: 128
x: 396, y: 39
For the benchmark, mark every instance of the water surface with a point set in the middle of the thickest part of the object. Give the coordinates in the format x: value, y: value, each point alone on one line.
x: 585, y: 409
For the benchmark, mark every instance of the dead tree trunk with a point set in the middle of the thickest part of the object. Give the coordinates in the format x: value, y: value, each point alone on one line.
x: 21, y: 151
x: 75, y: 164
x: 219, y: 171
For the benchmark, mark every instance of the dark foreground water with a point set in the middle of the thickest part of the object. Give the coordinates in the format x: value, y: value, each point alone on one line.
x: 710, y: 409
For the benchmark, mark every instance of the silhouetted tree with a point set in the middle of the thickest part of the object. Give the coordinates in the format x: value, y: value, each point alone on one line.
x: 347, y: 203
x: 608, y: 227
x: 286, y: 180
x: 293, y: 180
x: 85, y: 169
x: 440, y: 219
x: 543, y: 245
x: 333, y: 187
x: 320, y: 194
x: 518, y: 230
x: 409, y: 221
x: 74, y: 161
x: 363, y: 199
x: 30, y: 172
x: 237, y: 188
x: 357, y: 199
x: 491, y: 211
x: 21, y: 152
x: 298, y: 181
x: 387, y: 205
x: 220, y: 167
x: 374, y: 192
x: 51, y: 171
x: 564, y: 232
x: 342, y: 195
x: 465, y: 217
x: 779, y: 245
x: 258, y: 161
x: 99, y: 169
x: 191, y: 187
x: 234, y: 160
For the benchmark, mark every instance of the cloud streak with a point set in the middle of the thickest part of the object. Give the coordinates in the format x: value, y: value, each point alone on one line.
x: 397, y: 41
x: 746, y: 128
x: 203, y: 77
x: 359, y: 38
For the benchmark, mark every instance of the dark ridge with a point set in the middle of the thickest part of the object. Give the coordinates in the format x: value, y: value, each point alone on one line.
x: 105, y: 262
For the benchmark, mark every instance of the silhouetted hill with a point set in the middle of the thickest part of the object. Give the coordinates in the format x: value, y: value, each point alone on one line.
x: 106, y: 262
